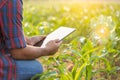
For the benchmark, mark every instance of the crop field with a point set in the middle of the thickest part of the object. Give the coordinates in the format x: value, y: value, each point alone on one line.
x: 92, y: 52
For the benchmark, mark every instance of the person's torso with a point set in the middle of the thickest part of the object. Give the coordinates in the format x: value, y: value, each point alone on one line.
x: 7, y: 64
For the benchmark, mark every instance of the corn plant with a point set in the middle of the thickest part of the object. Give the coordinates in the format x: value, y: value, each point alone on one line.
x: 92, y: 52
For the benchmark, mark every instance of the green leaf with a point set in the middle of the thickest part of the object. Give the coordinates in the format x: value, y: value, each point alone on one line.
x: 88, y: 72
x: 80, y: 71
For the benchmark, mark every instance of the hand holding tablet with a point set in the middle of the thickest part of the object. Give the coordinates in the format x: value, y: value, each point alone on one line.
x: 59, y: 33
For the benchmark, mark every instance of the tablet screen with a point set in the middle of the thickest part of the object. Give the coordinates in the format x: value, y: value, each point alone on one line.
x: 59, y: 33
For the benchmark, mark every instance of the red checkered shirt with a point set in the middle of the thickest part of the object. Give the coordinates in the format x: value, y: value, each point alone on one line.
x: 11, y: 36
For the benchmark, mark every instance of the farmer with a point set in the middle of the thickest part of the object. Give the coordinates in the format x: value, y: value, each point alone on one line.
x: 17, y: 53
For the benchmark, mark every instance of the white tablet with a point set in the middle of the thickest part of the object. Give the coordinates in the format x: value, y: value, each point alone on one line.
x: 59, y: 33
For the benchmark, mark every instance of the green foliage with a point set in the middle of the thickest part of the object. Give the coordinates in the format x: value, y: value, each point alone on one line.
x: 83, y: 56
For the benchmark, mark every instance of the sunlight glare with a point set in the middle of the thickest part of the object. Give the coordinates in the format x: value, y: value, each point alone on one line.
x: 102, y: 31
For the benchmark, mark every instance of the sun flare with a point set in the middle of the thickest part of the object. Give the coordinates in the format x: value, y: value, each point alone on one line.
x: 102, y: 31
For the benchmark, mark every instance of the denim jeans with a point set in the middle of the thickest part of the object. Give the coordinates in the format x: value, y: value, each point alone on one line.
x: 26, y: 69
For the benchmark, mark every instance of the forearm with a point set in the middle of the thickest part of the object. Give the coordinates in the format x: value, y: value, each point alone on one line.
x: 32, y: 52
x: 29, y: 52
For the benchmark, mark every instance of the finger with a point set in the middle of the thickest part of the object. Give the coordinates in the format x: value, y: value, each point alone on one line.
x: 42, y: 37
x: 60, y: 42
x: 57, y: 40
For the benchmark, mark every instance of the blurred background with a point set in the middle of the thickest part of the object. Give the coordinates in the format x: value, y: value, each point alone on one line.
x: 92, y: 52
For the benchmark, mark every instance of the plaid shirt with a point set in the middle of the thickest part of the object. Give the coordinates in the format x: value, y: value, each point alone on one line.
x: 11, y: 36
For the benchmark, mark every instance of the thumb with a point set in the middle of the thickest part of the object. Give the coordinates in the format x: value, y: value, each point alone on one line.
x: 57, y: 40
x: 42, y: 37
x: 60, y: 42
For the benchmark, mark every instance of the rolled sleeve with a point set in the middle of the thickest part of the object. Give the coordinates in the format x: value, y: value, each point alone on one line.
x: 11, y: 24
x: 16, y: 42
